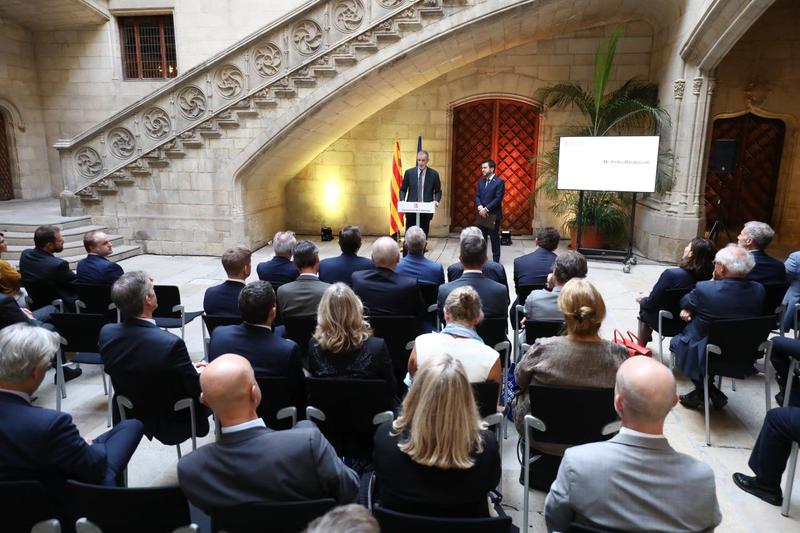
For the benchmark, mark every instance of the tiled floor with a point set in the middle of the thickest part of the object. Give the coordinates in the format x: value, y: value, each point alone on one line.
x: 733, y: 430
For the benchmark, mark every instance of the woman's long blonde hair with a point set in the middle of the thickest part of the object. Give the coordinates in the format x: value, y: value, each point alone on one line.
x: 440, y: 425
x: 583, y: 307
x: 340, y: 320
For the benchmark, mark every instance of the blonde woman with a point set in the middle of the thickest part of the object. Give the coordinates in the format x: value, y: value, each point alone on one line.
x: 462, y: 313
x: 437, y: 458
x: 343, y: 345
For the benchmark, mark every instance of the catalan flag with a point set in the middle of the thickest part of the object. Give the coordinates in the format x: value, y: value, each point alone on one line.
x: 396, y: 219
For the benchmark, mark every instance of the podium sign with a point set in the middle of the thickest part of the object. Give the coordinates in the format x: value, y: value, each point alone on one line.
x: 416, y: 207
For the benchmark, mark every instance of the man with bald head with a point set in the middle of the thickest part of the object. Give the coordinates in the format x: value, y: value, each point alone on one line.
x: 252, y: 463
x: 382, y: 290
x: 645, y: 484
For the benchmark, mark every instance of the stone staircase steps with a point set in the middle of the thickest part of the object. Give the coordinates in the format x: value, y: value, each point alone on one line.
x: 25, y: 223
x: 120, y: 252
x: 25, y: 238
x: 71, y: 248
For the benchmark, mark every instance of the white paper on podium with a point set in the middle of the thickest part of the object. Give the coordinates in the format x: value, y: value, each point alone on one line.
x: 416, y: 207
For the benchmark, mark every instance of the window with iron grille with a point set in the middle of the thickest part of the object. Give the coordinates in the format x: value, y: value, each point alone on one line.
x: 148, y: 47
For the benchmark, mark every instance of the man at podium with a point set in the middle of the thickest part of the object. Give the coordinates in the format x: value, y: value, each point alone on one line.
x: 421, y: 184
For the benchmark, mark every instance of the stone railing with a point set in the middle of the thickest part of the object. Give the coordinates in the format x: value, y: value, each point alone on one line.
x: 271, y: 63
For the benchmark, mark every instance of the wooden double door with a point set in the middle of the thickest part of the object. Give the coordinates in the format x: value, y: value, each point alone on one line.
x: 6, y: 183
x: 506, y: 131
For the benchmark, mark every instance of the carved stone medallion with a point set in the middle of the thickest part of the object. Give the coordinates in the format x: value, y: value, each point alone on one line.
x: 307, y: 36
x: 192, y: 102
x: 230, y: 81
x: 121, y: 143
x: 347, y: 15
x: 267, y: 59
x: 88, y: 163
x: 156, y: 123
x: 390, y: 3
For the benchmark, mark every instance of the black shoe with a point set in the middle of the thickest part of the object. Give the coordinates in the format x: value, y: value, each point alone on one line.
x: 772, y: 496
x: 779, y: 399
x: 693, y: 400
x: 718, y: 398
x: 69, y: 374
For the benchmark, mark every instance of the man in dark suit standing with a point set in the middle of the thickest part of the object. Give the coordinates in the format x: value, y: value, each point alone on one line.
x: 280, y: 269
x: 421, y: 184
x: 415, y: 265
x: 728, y: 295
x: 491, y: 269
x: 251, y: 462
x: 223, y: 299
x: 96, y: 268
x: 489, y: 201
x: 137, y: 348
x: 301, y: 297
x: 755, y: 237
x: 382, y: 290
x: 42, y: 444
x: 45, y: 276
x: 494, y: 296
x: 340, y: 269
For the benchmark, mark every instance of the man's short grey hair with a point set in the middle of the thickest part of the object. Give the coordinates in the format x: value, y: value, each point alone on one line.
x: 760, y: 232
x: 473, y: 251
x: 568, y: 265
x: 427, y: 155
x: 415, y: 240
x: 385, y: 252
x: 470, y: 230
x: 352, y: 518
x: 283, y: 244
x: 23, y: 349
x: 736, y: 260
x: 129, y: 291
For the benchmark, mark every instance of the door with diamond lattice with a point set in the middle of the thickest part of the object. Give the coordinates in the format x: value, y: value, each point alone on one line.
x: 507, y: 132
x: 6, y: 184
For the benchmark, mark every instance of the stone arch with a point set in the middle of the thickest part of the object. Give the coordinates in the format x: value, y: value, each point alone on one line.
x: 13, y: 123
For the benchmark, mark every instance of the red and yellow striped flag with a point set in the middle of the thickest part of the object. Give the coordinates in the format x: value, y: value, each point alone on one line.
x: 396, y: 219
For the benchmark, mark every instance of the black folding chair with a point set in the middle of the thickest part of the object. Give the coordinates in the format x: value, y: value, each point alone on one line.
x: 565, y: 415
x: 487, y: 394
x: 774, y: 292
x: 493, y: 332
x: 96, y: 299
x: 398, y: 332
x: 535, y: 329
x: 669, y: 322
x: 300, y: 329
x: 430, y: 295
x: 397, y: 522
x: 348, y: 410
x: 280, y: 404
x: 25, y: 505
x: 732, y: 348
x: 129, y: 510
x: 523, y: 291
x: 170, y: 313
x: 212, y: 322
x: 285, y: 517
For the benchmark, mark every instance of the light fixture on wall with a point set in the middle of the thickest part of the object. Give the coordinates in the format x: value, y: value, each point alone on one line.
x: 326, y: 233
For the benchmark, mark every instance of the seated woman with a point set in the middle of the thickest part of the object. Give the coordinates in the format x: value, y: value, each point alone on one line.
x: 437, y: 458
x: 343, y: 345
x: 697, y: 264
x: 462, y: 312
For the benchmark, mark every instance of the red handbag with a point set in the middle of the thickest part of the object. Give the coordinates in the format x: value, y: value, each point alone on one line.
x: 631, y: 344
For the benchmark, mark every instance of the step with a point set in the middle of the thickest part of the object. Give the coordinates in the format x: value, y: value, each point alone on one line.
x: 124, y: 251
x: 25, y: 238
x: 30, y: 223
x: 71, y: 248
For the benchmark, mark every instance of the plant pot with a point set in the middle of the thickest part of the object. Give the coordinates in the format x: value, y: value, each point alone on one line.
x: 591, y: 237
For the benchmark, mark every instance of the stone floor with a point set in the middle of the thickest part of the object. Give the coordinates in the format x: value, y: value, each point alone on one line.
x: 733, y: 430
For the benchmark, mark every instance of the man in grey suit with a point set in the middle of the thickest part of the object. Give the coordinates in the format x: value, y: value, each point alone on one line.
x: 252, y: 463
x: 301, y: 297
x: 645, y: 484
x: 542, y: 304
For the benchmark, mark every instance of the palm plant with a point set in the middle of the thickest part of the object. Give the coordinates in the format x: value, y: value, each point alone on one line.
x: 630, y: 109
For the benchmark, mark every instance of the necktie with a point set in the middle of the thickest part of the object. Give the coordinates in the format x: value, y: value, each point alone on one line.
x: 420, y: 179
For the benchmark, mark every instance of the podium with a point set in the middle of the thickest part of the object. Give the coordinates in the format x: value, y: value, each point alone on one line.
x: 415, y: 208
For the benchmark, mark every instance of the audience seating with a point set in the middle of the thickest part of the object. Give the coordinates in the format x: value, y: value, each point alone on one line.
x: 791, y: 465
x: 96, y: 299
x: 129, y: 510
x: 170, y: 313
x: 669, y: 322
x: 773, y: 302
x: 396, y: 522
x: 279, y: 403
x: 29, y: 506
x: 565, y: 415
x: 430, y: 295
x: 733, y: 346
x: 85, y: 526
x: 286, y: 517
x: 347, y: 411
x: 487, y: 394
x: 518, y: 305
x: 212, y: 322
x: 493, y: 333
x: 523, y: 291
x: 300, y: 329
x: 535, y: 329
x: 398, y: 332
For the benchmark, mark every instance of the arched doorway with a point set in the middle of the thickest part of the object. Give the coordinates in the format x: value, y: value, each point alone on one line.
x: 6, y: 181
x: 506, y: 131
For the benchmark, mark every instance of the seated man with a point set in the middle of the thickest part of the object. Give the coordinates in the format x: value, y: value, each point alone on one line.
x: 139, y: 354
x: 645, y: 484
x: 252, y: 463
x: 494, y: 296
x: 223, y: 299
x: 783, y: 349
x: 415, y: 265
x: 42, y: 444
x: 301, y: 297
x: 382, y: 290
x: 280, y: 270
x: 728, y: 295
x: 755, y: 237
x: 96, y: 268
x: 771, y: 452
x: 45, y: 276
x: 534, y: 268
x: 341, y: 268
x: 542, y: 304
x: 491, y: 269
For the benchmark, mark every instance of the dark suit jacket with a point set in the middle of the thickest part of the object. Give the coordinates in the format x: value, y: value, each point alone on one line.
x: 490, y: 269
x: 259, y: 464
x: 223, y: 299
x: 712, y: 300
x: 341, y: 268
x: 301, y: 297
x: 767, y: 268
x: 494, y: 296
x: 268, y: 353
x: 277, y: 271
x: 490, y: 195
x: 432, y: 187
x: 10, y: 313
x: 139, y: 348
x: 43, y: 444
x: 96, y: 270
x: 46, y: 278
x: 671, y: 278
x: 385, y: 292
x: 533, y: 268
x: 422, y: 269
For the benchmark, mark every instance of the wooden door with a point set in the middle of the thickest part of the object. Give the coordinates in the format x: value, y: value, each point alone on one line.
x: 747, y: 193
x: 507, y: 132
x: 6, y: 183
